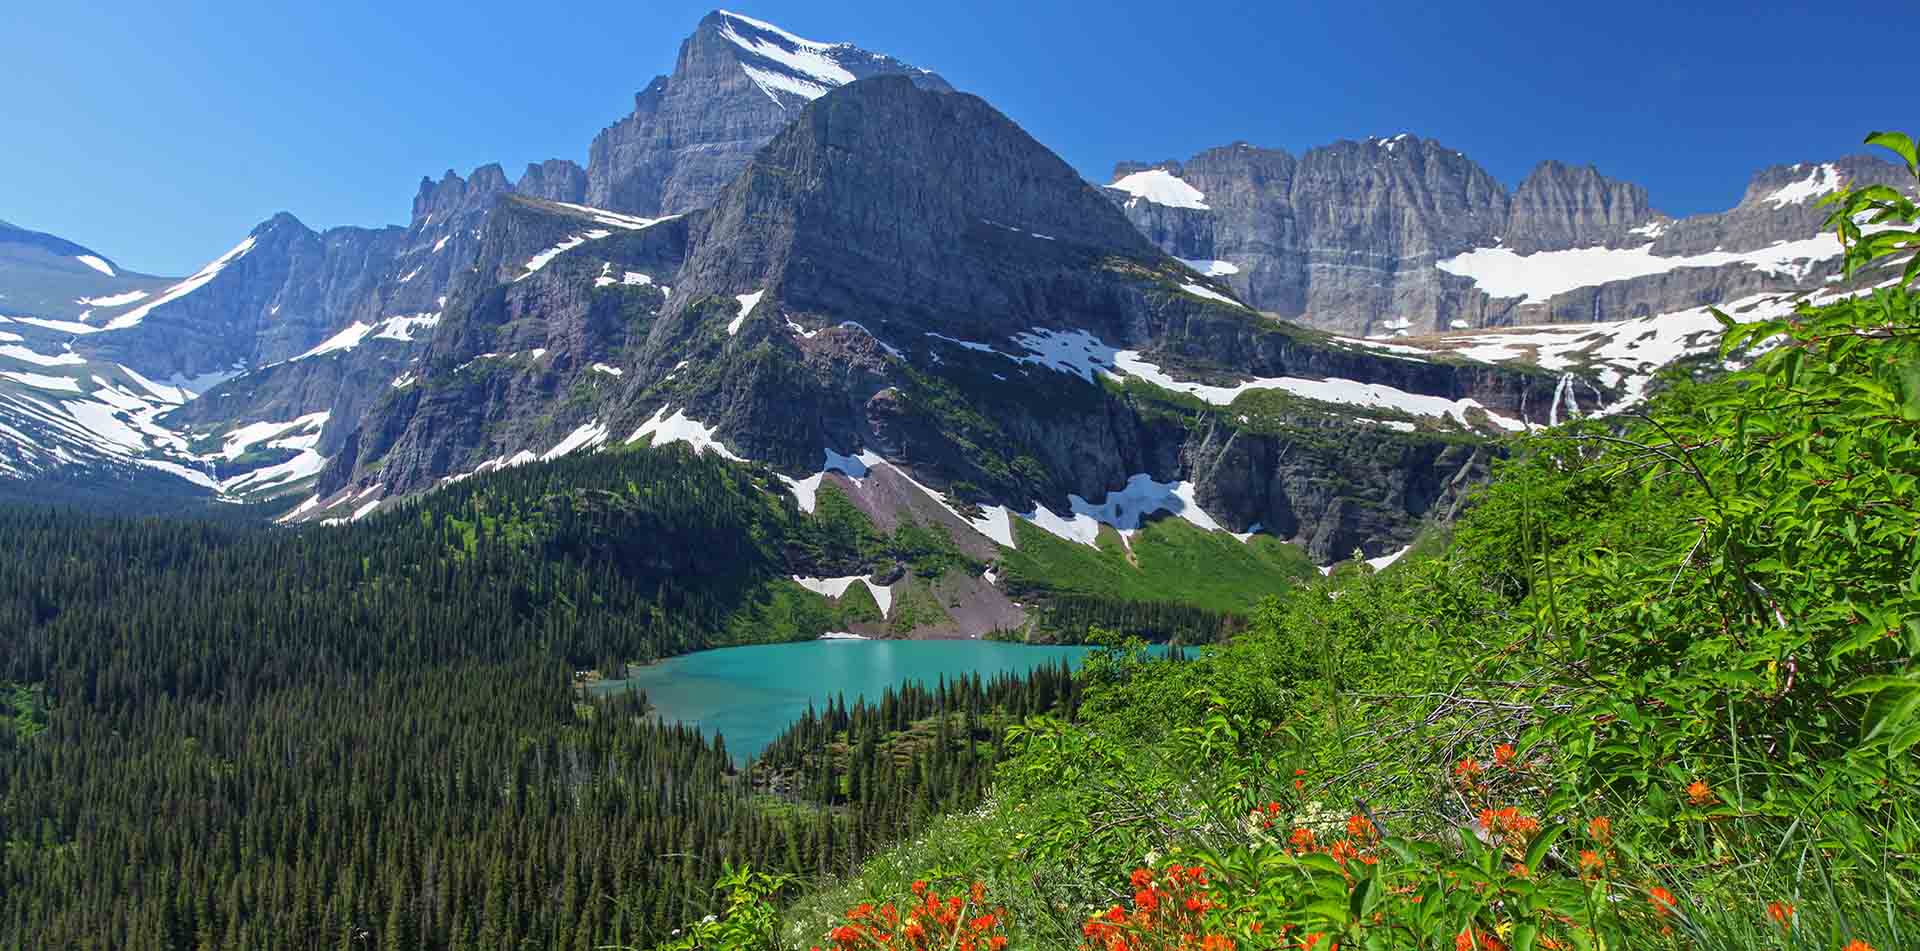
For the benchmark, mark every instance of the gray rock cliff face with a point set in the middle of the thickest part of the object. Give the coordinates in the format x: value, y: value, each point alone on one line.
x: 1343, y: 237
x: 554, y: 180
x: 280, y: 297
x: 521, y: 358
x: 1350, y: 237
x: 736, y: 84
x: 1564, y: 206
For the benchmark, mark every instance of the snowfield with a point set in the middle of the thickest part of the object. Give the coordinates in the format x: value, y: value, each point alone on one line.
x: 680, y: 428
x: 1825, y: 178
x: 837, y: 588
x: 1161, y: 187
x: 805, y: 67
x: 1541, y: 275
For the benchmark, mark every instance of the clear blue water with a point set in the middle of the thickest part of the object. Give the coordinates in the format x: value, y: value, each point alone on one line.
x: 750, y: 694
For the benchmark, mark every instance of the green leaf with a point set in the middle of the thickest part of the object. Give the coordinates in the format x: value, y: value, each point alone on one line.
x: 1899, y: 144
x: 1334, y: 911
x: 1538, y: 849
x: 1357, y: 905
x: 1877, y: 683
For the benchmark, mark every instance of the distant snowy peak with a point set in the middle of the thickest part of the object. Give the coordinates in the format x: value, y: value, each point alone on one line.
x: 1162, y: 187
x: 780, y: 62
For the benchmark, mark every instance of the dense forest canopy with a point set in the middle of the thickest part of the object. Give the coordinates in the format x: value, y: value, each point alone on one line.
x: 228, y: 736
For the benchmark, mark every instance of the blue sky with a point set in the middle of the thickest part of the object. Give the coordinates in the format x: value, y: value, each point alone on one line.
x: 159, y: 134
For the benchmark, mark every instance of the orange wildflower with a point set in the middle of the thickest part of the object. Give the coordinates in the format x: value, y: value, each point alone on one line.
x: 1699, y: 793
x: 1470, y: 940
x: 919, y: 887
x: 1360, y: 827
x: 1503, y: 754
x: 1467, y: 769
x: 1857, y: 945
x: 1781, y: 912
x: 1662, y: 900
x: 1600, y: 828
x: 1142, y: 877
x: 1591, y: 862
x: 1302, y: 838
x: 1342, y: 850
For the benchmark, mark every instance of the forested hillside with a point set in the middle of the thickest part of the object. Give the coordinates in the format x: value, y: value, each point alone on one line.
x: 226, y: 736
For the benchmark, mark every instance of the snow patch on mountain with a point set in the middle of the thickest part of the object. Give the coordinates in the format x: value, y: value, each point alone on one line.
x: 1502, y: 273
x: 402, y: 328
x: 747, y: 303
x: 346, y: 339
x: 304, y: 465
x: 837, y: 588
x: 1201, y: 290
x: 112, y: 300
x: 37, y: 358
x: 679, y: 427
x: 1823, y: 179
x: 1209, y: 268
x: 589, y: 435
x: 806, y: 68
x: 1123, y: 509
x: 805, y: 491
x: 42, y: 381
x: 611, y: 219
x: 1084, y: 355
x: 572, y: 241
x: 300, y: 433
x: 1381, y: 563
x: 1161, y: 187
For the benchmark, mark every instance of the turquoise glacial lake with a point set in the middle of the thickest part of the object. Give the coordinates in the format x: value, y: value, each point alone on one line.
x: 750, y: 694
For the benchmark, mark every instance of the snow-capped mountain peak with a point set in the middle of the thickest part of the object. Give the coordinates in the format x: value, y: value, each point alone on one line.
x: 780, y: 62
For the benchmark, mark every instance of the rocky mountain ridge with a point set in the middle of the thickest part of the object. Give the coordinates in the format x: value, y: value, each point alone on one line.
x: 1403, y: 236
x: 873, y: 304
